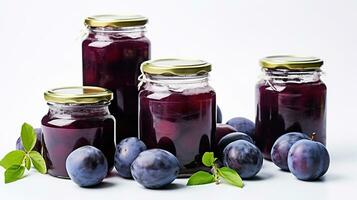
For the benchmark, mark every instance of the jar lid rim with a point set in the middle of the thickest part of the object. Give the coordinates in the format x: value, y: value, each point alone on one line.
x: 291, y: 62
x: 78, y: 95
x: 176, y: 66
x: 112, y: 20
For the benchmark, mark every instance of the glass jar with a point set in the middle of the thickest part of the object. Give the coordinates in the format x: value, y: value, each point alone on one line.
x: 77, y: 116
x: 177, y: 110
x: 289, y: 97
x: 112, y: 53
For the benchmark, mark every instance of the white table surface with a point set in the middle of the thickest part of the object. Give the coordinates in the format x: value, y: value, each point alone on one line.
x: 270, y: 183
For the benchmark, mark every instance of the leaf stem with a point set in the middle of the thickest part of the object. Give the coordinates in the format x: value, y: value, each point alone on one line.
x: 215, y: 174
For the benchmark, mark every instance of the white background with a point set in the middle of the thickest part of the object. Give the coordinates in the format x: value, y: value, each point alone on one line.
x: 40, y: 49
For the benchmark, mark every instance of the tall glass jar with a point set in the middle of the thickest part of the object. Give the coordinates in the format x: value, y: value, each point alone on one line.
x: 112, y: 53
x: 77, y: 116
x: 178, y: 110
x: 289, y: 97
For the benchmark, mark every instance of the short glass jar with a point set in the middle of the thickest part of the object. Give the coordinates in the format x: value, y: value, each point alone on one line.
x: 289, y: 97
x: 177, y: 110
x: 115, y: 47
x: 77, y: 116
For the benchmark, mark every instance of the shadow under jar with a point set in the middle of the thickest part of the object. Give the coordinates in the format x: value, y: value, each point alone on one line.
x: 112, y: 53
x: 177, y: 110
x: 77, y: 116
x: 290, y: 97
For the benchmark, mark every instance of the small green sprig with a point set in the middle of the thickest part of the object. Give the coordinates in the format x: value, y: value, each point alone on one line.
x: 15, y: 162
x: 202, y: 177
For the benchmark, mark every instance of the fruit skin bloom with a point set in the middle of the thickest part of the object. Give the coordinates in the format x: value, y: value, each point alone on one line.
x: 244, y: 157
x: 155, y: 168
x: 308, y: 160
x: 87, y: 166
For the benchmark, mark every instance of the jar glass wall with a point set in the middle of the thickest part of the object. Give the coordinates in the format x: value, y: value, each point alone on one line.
x: 290, y: 98
x: 112, y: 53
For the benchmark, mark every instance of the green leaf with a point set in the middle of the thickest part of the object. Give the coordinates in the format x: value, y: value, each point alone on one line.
x: 208, y: 159
x: 15, y: 157
x: 27, y: 162
x: 231, y: 176
x: 200, y: 178
x: 38, y: 162
x: 28, y: 137
x: 14, y: 173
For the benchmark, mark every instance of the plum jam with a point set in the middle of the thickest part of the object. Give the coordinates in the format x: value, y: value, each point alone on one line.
x: 177, y: 110
x: 77, y: 116
x: 112, y: 53
x: 291, y: 97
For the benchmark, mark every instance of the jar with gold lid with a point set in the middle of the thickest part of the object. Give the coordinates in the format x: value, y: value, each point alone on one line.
x: 177, y: 110
x: 112, y: 52
x: 77, y: 116
x: 290, y: 97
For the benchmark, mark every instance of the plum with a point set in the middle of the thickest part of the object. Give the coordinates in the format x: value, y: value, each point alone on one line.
x: 244, y: 157
x: 308, y: 160
x: 219, y: 115
x: 229, y: 139
x: 87, y: 166
x: 126, y: 152
x: 243, y: 125
x: 38, y: 145
x: 281, y: 147
x: 223, y: 130
x: 155, y: 168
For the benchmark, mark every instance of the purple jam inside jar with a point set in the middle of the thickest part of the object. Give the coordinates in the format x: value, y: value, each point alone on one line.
x: 289, y: 101
x: 111, y: 59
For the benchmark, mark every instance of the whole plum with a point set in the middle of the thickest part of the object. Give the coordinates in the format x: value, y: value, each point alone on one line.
x: 126, y: 152
x: 155, y: 168
x: 243, y: 125
x: 281, y: 147
x: 87, y: 166
x: 244, y: 157
x: 226, y: 140
x: 308, y: 160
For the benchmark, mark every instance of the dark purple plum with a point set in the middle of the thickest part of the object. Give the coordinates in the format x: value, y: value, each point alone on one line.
x: 244, y: 157
x: 219, y: 115
x: 126, y: 152
x: 226, y: 140
x: 223, y: 130
x: 38, y: 145
x: 243, y: 125
x: 155, y: 168
x: 87, y: 166
x: 308, y: 160
x: 281, y: 147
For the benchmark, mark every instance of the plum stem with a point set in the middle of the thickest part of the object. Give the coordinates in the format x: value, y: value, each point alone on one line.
x: 312, y: 137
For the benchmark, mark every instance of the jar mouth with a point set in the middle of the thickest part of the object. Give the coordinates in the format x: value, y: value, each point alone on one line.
x: 78, y: 95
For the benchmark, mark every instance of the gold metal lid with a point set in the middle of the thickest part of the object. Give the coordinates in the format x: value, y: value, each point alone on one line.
x: 115, y: 21
x: 174, y: 66
x: 291, y: 62
x: 78, y: 95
